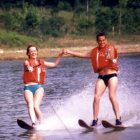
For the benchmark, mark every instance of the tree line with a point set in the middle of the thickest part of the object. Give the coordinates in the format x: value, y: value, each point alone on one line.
x: 67, y: 17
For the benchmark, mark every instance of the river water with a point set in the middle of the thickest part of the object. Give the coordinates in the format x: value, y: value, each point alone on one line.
x: 69, y: 92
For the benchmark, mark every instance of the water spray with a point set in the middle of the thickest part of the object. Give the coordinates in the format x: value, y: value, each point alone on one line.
x: 62, y: 123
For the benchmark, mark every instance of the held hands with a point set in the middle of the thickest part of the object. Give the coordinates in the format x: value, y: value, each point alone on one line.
x: 66, y: 51
x: 61, y: 53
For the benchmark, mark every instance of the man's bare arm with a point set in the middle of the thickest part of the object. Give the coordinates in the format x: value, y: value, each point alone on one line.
x: 78, y: 54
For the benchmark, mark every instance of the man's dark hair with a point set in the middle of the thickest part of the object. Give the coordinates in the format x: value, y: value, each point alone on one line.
x: 100, y: 34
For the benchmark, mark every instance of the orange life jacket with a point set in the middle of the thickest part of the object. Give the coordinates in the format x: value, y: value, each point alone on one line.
x: 99, y: 60
x: 38, y: 73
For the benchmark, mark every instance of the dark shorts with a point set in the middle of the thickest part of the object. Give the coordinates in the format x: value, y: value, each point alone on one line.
x: 106, y: 78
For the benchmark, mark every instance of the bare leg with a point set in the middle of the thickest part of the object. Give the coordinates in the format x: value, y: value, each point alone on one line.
x: 99, y: 90
x: 112, y: 86
x: 29, y: 99
x: 37, y: 100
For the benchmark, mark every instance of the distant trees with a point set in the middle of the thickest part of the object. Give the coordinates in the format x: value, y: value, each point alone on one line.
x: 24, y: 20
x: 52, y: 26
x: 31, y: 19
x: 88, y: 16
x: 119, y: 15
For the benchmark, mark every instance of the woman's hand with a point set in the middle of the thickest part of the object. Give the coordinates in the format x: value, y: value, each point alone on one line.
x: 62, y: 52
x: 66, y: 51
x: 30, y: 69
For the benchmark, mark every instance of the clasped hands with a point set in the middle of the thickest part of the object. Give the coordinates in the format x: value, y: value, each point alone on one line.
x: 65, y: 52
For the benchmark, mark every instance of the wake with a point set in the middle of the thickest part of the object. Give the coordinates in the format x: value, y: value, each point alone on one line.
x: 79, y: 106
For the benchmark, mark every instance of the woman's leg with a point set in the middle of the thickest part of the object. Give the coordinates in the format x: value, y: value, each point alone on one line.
x: 29, y: 99
x: 37, y: 101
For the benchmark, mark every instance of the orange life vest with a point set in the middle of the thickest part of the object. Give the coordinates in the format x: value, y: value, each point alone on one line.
x: 99, y: 60
x: 38, y: 73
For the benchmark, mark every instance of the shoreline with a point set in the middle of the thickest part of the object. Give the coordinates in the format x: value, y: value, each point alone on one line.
x: 53, y: 52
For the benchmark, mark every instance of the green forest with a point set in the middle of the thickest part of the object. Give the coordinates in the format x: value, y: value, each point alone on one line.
x: 37, y: 21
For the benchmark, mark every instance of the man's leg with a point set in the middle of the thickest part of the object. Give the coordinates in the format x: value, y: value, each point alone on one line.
x: 99, y: 90
x: 112, y: 86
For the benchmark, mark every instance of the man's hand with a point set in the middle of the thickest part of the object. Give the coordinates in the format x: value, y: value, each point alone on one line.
x: 66, y: 51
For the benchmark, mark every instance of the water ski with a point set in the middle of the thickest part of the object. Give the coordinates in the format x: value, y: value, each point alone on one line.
x: 107, y: 124
x: 24, y: 125
x: 82, y: 123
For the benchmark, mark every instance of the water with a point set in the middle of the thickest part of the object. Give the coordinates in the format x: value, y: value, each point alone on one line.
x: 69, y: 92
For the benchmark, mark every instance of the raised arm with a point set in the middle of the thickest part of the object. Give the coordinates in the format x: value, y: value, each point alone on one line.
x: 54, y: 64
x: 78, y: 54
